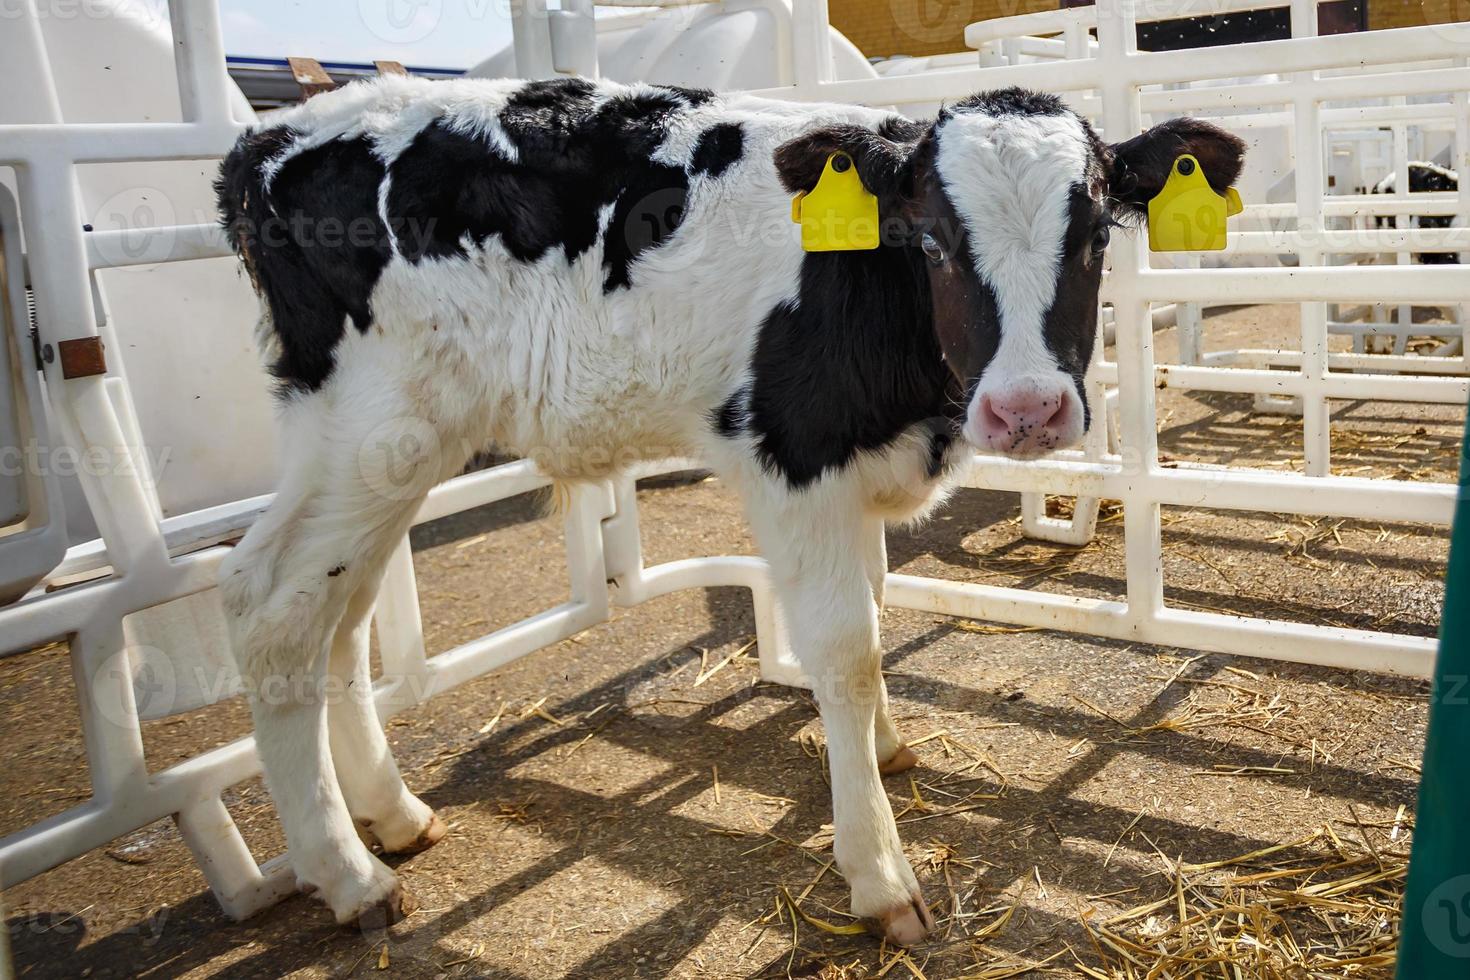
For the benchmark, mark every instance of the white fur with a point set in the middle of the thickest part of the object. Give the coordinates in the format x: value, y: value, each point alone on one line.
x: 1009, y: 177
x: 535, y: 358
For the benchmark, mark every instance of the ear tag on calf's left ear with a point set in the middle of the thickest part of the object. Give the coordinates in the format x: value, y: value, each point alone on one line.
x: 839, y: 214
x: 1187, y: 215
x: 1233, y: 205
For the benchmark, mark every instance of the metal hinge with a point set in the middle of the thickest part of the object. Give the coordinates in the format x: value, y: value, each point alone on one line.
x: 81, y: 358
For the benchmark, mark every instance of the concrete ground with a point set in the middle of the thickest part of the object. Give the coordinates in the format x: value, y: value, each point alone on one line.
x: 613, y: 814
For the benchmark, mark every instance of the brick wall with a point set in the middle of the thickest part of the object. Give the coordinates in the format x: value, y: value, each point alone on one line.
x: 1413, y: 13
x: 882, y: 28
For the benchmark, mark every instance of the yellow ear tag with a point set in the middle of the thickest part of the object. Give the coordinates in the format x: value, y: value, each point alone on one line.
x: 839, y: 214
x: 1233, y: 205
x: 1187, y: 215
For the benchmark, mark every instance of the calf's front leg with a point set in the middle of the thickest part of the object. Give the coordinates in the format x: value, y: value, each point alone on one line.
x: 832, y: 622
x: 893, y: 755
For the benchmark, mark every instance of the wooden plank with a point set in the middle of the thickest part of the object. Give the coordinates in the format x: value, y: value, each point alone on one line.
x: 389, y: 68
x: 311, y: 76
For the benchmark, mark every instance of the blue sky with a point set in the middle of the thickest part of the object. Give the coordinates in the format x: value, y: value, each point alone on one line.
x: 438, y: 33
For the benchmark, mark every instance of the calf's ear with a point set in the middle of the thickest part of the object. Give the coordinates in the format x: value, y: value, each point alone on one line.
x: 882, y: 163
x: 1141, y: 165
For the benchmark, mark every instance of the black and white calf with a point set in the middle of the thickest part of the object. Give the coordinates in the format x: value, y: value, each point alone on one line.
x: 1424, y: 177
x: 586, y: 274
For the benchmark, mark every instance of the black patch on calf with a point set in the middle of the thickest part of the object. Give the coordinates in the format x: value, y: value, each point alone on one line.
x: 883, y: 164
x: 573, y: 158
x: 650, y: 196
x: 902, y: 129
x: 694, y: 96
x: 731, y: 417
x: 941, y: 437
x: 1070, y: 327
x: 631, y: 127
x: 966, y: 312
x: 546, y: 121
x: 649, y: 209
x: 848, y: 367
x: 1423, y: 177
x: 313, y: 245
x: 718, y: 148
x: 1010, y: 102
x: 448, y: 186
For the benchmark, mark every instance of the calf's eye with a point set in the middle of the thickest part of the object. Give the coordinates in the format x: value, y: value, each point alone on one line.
x: 1100, y: 239
x: 932, y: 249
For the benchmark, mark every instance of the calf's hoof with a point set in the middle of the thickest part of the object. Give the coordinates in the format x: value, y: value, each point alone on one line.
x: 396, y: 906
x: 903, y: 760
x: 409, y: 826
x: 360, y: 891
x: 905, y: 925
x: 431, y: 835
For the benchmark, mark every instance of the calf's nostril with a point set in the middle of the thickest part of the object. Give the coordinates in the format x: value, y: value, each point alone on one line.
x: 994, y: 420
x: 1056, y: 418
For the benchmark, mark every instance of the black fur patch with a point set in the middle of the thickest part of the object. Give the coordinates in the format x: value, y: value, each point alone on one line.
x: 314, y: 245
x: 694, y: 96
x: 966, y: 312
x: 941, y: 438
x: 847, y: 368
x: 467, y: 190
x: 902, y: 129
x: 1423, y: 177
x: 1011, y: 102
x: 573, y: 157
x: 649, y: 209
x: 1070, y: 327
x: 730, y: 419
x: 547, y: 121
x: 718, y: 148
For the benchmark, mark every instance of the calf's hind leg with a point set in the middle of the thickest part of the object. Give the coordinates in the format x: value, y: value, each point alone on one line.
x: 285, y: 589
x: 372, y: 787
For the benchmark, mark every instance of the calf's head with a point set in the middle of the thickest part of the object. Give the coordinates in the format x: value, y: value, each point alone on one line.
x: 1011, y: 198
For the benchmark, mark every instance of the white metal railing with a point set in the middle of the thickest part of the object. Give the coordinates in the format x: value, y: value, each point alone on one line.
x: 156, y: 562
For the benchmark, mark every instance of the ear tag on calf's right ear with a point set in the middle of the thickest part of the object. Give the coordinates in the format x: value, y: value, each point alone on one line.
x: 1187, y: 215
x: 839, y: 214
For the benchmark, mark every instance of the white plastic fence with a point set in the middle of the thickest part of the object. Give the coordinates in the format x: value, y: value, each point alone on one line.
x: 154, y: 618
